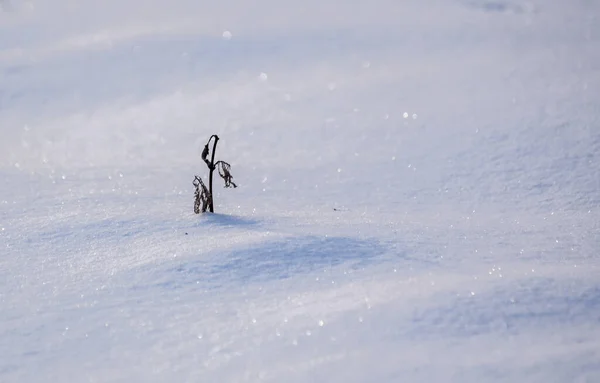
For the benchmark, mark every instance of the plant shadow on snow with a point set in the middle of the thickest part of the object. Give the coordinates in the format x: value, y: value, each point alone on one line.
x: 276, y: 260
x: 225, y: 220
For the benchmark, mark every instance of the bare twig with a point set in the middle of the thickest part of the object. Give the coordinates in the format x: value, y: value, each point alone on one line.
x: 211, y: 205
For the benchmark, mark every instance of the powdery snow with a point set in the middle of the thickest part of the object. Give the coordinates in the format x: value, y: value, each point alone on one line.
x: 418, y: 191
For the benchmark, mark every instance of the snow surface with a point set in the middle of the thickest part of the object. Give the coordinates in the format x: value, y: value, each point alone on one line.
x: 418, y: 200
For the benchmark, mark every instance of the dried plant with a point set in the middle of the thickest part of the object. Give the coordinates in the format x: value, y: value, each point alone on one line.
x: 203, y: 196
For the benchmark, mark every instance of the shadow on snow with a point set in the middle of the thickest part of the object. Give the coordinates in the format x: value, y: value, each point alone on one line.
x: 275, y: 261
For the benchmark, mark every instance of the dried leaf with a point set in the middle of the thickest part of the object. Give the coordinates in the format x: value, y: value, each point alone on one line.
x: 224, y: 172
x: 205, y: 155
x: 201, y: 195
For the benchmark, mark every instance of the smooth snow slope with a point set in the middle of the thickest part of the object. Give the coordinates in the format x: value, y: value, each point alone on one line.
x: 419, y: 191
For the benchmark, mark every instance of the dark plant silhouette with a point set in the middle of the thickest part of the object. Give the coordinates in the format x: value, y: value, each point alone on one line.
x: 203, y: 196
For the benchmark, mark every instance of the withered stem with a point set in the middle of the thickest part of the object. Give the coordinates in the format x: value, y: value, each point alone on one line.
x: 210, y: 174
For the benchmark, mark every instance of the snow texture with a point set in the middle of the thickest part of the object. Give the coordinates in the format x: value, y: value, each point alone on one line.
x: 418, y: 200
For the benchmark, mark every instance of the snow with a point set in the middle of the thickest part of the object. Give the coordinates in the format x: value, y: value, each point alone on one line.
x: 418, y: 191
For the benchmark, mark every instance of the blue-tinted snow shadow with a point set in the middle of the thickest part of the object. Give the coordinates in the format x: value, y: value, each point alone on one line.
x: 537, y: 303
x: 225, y: 220
x: 275, y: 260
x: 495, y: 6
x: 286, y: 258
